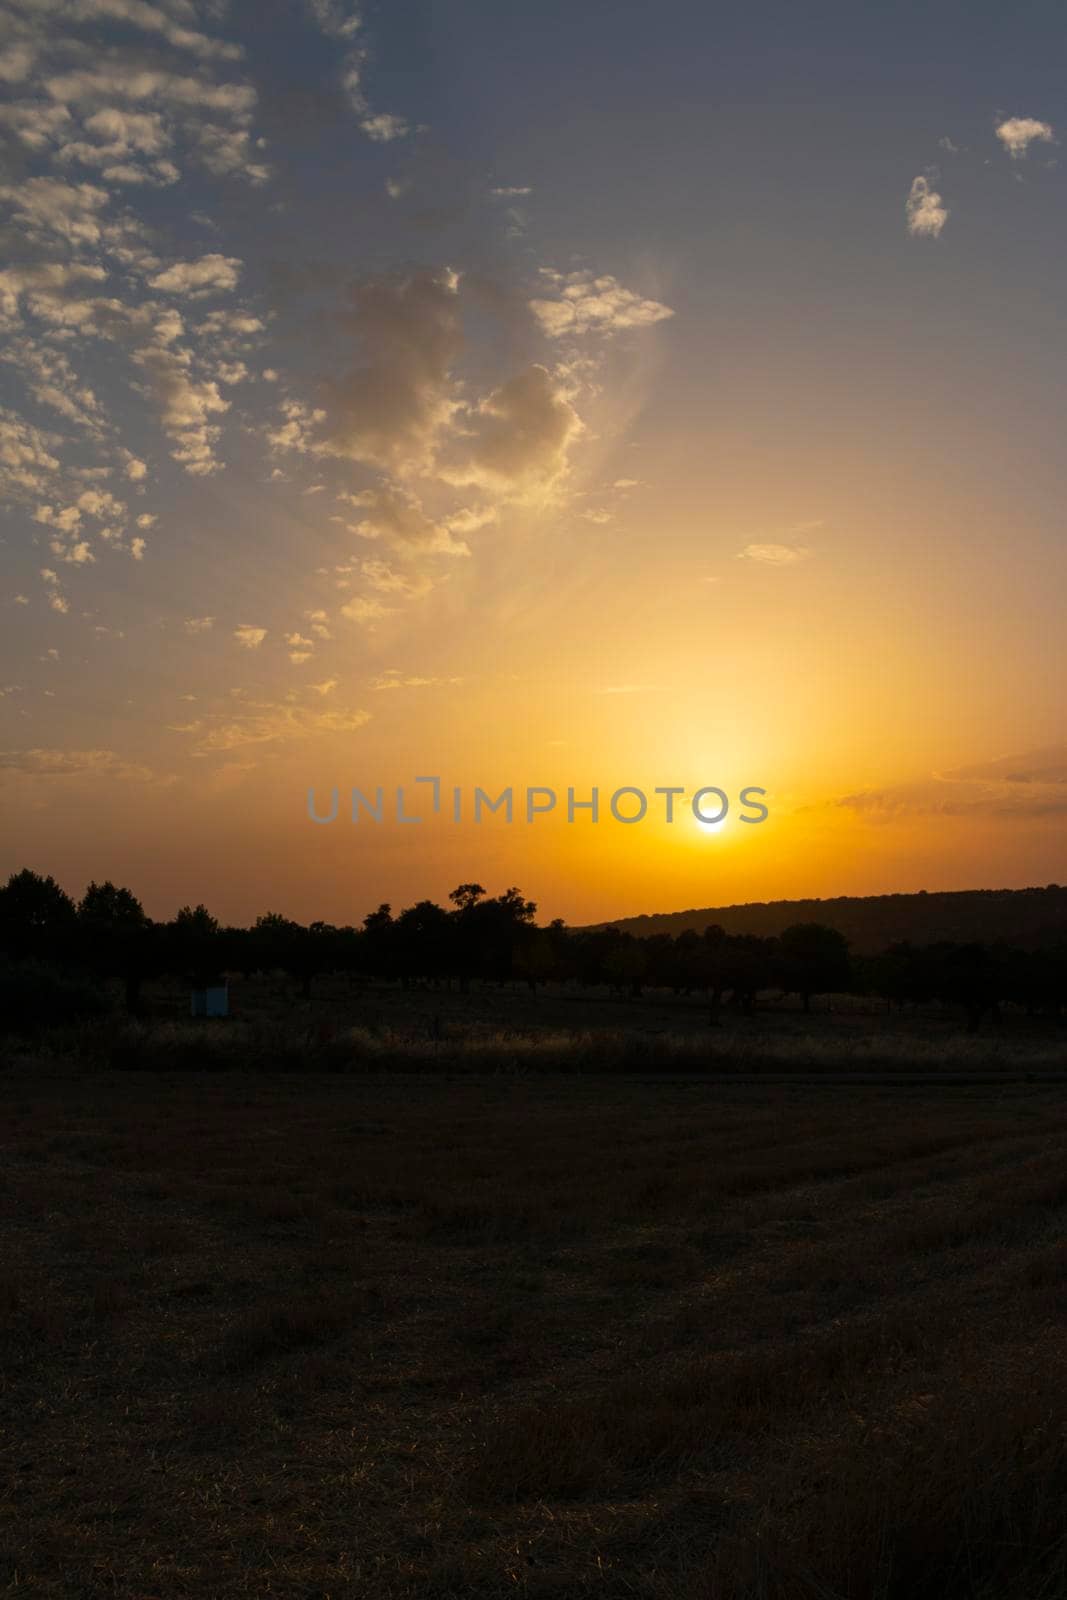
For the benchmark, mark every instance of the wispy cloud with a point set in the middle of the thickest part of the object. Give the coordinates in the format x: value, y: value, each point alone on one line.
x: 1028, y: 786
x: 774, y: 555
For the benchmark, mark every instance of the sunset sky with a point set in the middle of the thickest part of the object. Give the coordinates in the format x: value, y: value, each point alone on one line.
x: 558, y: 395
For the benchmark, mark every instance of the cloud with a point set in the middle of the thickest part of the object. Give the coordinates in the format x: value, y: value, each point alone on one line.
x: 101, y: 504
x: 52, y: 763
x: 251, y: 638
x: 318, y: 620
x: 26, y: 459
x: 510, y: 191
x: 119, y: 139
x: 389, y: 412
x: 582, y: 303
x: 42, y: 284
x: 517, y: 439
x: 271, y: 722
x: 151, y: 19
x: 774, y: 555
x: 343, y: 22
x: 397, y: 518
x: 925, y: 212
x: 210, y: 274
x: 384, y: 579
x: 1017, y: 134
x: 16, y: 61
x: 394, y: 679
x: 47, y: 206
x: 327, y: 686
x: 186, y: 404
x: 228, y: 152
x: 196, y: 625
x: 1018, y: 788
x: 122, y: 80
x: 366, y: 610
x: 53, y: 382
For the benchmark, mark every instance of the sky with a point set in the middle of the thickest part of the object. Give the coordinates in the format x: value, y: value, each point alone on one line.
x: 548, y: 396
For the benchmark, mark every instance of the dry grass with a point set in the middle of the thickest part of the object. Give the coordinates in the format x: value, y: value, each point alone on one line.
x: 443, y: 1335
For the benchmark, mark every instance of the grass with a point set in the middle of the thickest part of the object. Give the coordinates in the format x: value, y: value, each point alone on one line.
x: 449, y: 1332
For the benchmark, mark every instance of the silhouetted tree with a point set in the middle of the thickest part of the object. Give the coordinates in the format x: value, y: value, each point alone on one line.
x: 813, y: 959
x: 193, y: 945
x: 116, y: 938
x: 37, y: 920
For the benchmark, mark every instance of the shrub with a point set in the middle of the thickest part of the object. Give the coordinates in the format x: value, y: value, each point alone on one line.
x: 34, y: 996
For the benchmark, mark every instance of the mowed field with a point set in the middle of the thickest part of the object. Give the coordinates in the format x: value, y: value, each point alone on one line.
x: 472, y: 1334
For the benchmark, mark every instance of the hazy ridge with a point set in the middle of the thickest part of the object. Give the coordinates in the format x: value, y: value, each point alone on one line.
x: 1029, y: 918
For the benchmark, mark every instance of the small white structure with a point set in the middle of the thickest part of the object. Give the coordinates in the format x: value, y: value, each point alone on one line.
x: 213, y: 1000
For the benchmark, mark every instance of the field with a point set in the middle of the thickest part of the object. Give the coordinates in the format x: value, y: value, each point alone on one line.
x: 530, y: 1333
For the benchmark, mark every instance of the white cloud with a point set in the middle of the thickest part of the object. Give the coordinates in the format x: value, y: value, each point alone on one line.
x: 186, y: 404
x: 229, y: 152
x: 925, y: 212
x: 50, y: 206
x: 66, y: 519
x: 26, y: 459
x: 196, y: 625
x: 1017, y: 134
x: 251, y: 638
x: 123, y: 80
x: 210, y: 274
x: 151, y: 19
x: 582, y: 303
x: 53, y: 382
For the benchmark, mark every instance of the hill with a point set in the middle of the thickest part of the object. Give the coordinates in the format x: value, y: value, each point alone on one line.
x: 1029, y: 918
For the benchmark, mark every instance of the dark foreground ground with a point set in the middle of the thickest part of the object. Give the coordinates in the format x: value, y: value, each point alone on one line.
x: 436, y: 1334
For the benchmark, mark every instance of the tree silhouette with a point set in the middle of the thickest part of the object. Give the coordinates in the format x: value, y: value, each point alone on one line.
x: 37, y: 920
x: 116, y: 937
x: 813, y: 960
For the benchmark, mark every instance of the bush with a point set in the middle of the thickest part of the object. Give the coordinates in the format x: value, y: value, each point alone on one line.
x: 34, y: 996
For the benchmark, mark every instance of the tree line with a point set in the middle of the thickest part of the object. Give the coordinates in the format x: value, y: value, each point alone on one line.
x: 483, y: 938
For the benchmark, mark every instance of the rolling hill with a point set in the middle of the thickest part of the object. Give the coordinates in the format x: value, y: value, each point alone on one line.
x: 1029, y: 918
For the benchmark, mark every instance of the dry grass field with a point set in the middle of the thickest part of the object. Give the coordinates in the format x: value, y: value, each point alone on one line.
x: 530, y: 1334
